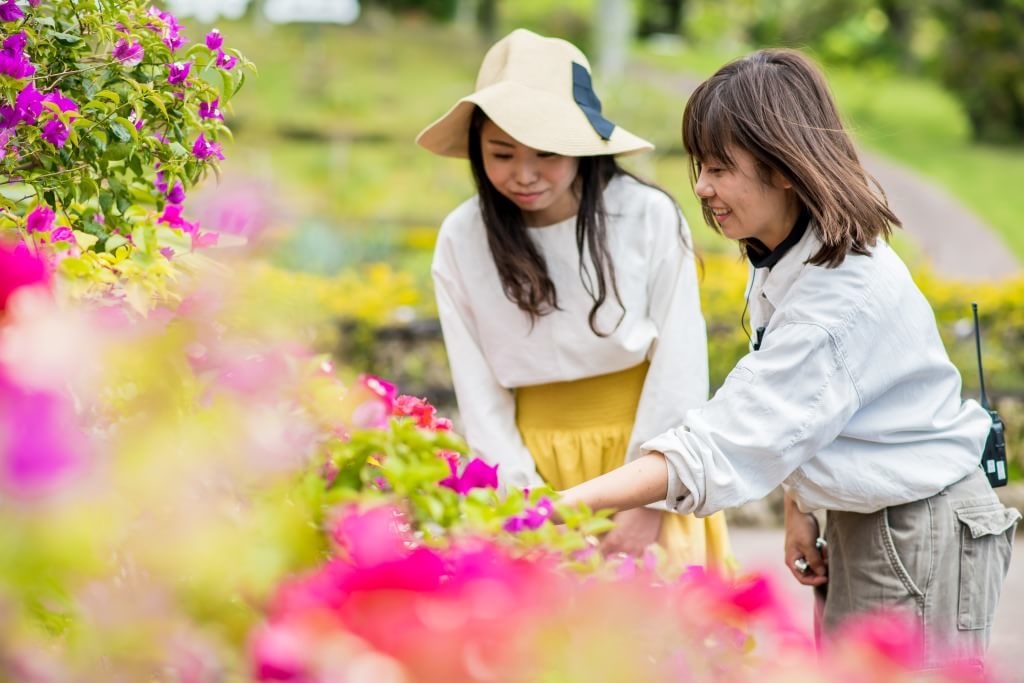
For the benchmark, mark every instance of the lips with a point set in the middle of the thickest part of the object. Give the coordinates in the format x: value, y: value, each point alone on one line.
x: 527, y: 197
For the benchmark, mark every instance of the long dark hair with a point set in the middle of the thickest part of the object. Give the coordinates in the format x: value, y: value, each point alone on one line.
x: 776, y: 105
x: 521, y: 266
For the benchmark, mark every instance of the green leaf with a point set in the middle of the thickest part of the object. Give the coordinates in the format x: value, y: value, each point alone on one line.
x: 119, y: 131
x: 109, y: 95
x: 113, y: 242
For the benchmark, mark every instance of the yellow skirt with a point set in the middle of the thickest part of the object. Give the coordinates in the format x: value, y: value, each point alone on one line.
x: 578, y: 430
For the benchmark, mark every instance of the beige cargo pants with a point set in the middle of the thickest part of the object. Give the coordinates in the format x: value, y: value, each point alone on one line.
x: 943, y: 559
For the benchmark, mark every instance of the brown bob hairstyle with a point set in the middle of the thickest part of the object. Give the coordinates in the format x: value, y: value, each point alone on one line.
x: 776, y: 105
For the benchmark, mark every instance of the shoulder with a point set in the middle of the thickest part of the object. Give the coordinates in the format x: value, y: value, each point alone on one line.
x: 642, y: 207
x: 464, y: 219
x: 863, y: 287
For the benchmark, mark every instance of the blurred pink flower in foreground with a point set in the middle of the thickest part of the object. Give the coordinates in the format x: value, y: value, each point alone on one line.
x: 41, y: 444
x: 19, y: 268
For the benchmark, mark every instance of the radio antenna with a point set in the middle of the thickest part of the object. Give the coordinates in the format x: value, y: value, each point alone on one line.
x: 977, y: 348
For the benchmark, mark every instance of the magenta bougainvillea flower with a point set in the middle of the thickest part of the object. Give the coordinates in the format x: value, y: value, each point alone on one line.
x: 55, y: 130
x: 214, y: 40
x: 226, y: 61
x: 177, y: 194
x: 13, y: 60
x: 40, y: 219
x: 532, y: 518
x: 477, y: 474
x: 9, y: 11
x: 129, y: 54
x: 203, y: 149
x: 177, y: 73
x: 424, y: 413
x: 19, y: 268
x: 39, y: 439
x: 167, y: 26
x: 210, y: 110
x: 29, y: 104
x: 172, y: 216
x: 62, y: 234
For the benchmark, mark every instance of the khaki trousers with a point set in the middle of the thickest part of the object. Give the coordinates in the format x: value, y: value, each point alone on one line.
x: 942, y: 559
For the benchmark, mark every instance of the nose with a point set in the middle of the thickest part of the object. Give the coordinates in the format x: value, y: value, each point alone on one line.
x: 703, y: 188
x: 525, y: 171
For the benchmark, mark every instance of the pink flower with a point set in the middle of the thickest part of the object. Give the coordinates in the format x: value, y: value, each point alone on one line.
x: 210, y: 110
x: 62, y: 234
x: 172, y: 216
x: 40, y: 219
x: 532, y: 518
x: 39, y: 439
x: 214, y: 40
x: 19, y: 268
x: 9, y: 11
x: 424, y: 413
x: 477, y: 474
x: 226, y: 61
x: 13, y: 60
x: 177, y: 73
x: 129, y: 54
x: 203, y: 149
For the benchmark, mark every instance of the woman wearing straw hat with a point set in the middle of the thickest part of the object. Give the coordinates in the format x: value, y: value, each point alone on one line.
x: 567, y: 290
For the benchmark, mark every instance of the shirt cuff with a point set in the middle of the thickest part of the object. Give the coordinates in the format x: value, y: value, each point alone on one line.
x: 678, y: 497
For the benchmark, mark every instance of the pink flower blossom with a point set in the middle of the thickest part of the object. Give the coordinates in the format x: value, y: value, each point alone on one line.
x: 203, y: 149
x: 129, y: 54
x: 40, y: 219
x: 226, y: 61
x: 39, y: 439
x: 532, y: 518
x: 29, y: 104
x: 9, y: 11
x: 62, y: 234
x: 19, y: 268
x: 477, y: 474
x: 214, y: 40
x: 177, y: 73
x: 210, y: 110
x: 13, y: 60
x: 424, y: 413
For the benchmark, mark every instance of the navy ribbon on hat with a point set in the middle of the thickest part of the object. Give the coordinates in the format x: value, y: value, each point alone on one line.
x: 586, y: 98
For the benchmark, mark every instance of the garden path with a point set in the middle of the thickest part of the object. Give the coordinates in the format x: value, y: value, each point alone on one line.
x: 954, y: 241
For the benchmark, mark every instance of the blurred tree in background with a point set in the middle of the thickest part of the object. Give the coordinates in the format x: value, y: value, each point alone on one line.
x: 983, y: 64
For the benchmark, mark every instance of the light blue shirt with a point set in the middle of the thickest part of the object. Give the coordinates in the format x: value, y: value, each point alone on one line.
x: 851, y: 402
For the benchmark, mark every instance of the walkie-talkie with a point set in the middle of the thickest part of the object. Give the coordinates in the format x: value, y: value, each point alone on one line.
x: 993, y: 460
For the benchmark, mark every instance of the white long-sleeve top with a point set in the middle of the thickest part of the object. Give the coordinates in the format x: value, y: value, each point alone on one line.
x: 493, y: 347
x: 851, y: 402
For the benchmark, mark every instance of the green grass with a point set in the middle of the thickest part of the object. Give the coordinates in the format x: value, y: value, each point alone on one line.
x: 333, y: 112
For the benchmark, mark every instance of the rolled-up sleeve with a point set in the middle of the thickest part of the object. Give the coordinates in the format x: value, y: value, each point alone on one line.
x: 776, y: 409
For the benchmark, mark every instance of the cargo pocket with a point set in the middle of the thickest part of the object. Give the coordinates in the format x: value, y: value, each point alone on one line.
x: 986, y: 539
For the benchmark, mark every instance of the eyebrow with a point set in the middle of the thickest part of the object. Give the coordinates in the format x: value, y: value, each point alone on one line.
x: 500, y: 142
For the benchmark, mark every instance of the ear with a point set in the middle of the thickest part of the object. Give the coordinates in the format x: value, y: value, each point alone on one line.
x: 780, y: 181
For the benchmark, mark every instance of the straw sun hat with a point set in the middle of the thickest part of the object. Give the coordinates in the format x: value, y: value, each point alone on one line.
x: 538, y: 90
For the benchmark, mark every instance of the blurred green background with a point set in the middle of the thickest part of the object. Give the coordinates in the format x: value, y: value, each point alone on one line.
x: 325, y: 131
x: 330, y: 118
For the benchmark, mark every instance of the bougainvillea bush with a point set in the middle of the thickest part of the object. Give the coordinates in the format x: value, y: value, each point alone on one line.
x: 109, y: 114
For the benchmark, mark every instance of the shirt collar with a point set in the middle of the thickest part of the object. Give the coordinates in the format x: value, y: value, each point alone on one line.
x: 762, y: 257
x: 780, y: 279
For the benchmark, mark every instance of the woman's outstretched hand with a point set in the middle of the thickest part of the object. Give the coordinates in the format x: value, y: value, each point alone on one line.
x: 634, y: 530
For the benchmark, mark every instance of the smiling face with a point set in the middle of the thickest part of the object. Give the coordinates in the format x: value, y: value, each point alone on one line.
x: 744, y: 204
x: 539, y: 183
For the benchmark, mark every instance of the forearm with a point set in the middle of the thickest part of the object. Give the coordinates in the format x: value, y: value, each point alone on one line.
x: 640, y: 482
